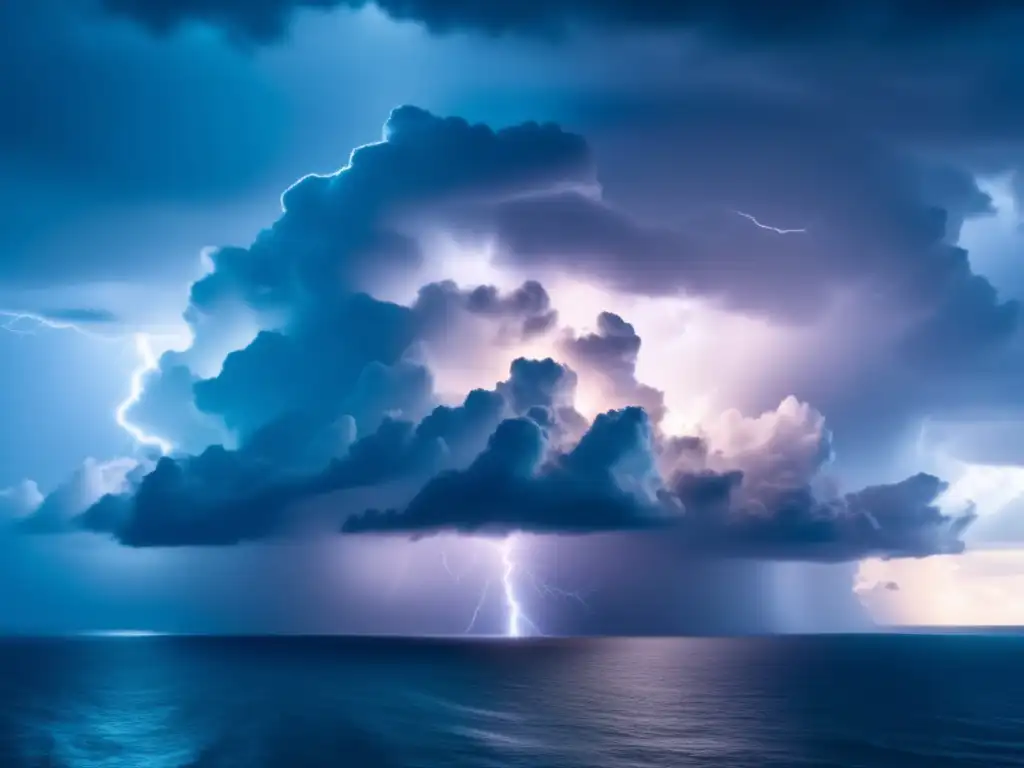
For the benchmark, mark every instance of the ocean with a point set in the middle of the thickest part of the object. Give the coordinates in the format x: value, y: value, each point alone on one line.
x: 206, y: 702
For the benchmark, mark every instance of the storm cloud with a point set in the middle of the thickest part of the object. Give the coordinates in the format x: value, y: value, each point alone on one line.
x: 775, y: 507
x: 745, y: 19
x: 506, y: 488
x: 227, y: 496
x: 611, y: 353
x: 337, y: 391
x: 759, y: 240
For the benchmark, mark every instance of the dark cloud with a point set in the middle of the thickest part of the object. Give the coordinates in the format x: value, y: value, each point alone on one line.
x: 346, y: 227
x: 339, y: 379
x: 110, y: 139
x: 336, y: 393
x: 892, y: 250
x: 227, y: 496
x: 344, y: 355
x: 545, y: 391
x: 747, y: 19
x: 612, y: 353
x: 765, y: 499
x: 769, y: 510
x: 521, y: 314
x: 894, y: 520
x: 448, y: 436
x: 204, y: 500
x: 539, y: 384
x: 510, y: 487
x: 91, y: 105
x: 350, y: 361
x: 332, y: 350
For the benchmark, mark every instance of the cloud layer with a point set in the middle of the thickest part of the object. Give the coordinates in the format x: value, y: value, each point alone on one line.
x: 745, y: 19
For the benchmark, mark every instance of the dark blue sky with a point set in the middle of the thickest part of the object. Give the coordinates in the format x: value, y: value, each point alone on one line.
x: 689, y: 290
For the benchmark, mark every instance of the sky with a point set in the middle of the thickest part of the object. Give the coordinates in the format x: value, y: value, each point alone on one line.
x: 573, y: 317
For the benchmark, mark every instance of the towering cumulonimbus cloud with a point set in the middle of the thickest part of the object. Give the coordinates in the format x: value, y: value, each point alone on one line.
x: 776, y: 197
x: 336, y: 392
x: 351, y: 228
x: 303, y: 280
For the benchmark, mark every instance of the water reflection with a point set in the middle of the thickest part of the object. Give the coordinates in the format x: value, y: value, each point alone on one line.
x: 165, y: 702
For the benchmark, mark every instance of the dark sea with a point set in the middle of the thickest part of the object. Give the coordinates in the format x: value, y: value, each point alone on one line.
x: 170, y: 702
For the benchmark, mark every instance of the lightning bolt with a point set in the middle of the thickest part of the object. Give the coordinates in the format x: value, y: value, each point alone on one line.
x: 518, y: 621
x: 16, y: 323
x: 546, y: 589
x: 479, y: 605
x: 147, y: 363
x: 777, y: 230
x: 457, y: 576
x: 515, y: 613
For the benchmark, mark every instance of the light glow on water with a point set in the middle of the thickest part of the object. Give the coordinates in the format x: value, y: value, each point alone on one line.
x: 123, y: 633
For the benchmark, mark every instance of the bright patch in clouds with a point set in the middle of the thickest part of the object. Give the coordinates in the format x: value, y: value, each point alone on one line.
x: 981, y: 587
x: 977, y: 588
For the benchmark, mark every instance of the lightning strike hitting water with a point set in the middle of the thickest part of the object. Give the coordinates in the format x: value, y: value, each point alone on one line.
x: 515, y: 613
x: 518, y: 624
x: 770, y: 228
x: 147, y: 363
x: 517, y: 620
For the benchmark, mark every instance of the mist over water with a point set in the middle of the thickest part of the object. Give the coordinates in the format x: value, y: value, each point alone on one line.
x: 178, y: 702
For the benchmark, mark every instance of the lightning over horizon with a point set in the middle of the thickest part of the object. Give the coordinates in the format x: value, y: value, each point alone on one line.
x: 469, y: 383
x: 517, y: 618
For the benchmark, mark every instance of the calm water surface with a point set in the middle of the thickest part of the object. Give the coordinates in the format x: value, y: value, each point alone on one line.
x: 166, y: 702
